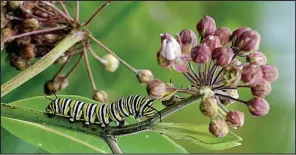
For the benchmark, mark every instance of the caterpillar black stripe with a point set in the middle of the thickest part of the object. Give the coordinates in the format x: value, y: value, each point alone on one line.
x: 132, y: 105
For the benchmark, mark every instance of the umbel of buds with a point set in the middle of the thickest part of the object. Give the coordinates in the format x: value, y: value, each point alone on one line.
x: 219, y: 73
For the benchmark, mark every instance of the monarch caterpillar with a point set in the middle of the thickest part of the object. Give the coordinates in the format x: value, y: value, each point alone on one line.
x: 132, y: 105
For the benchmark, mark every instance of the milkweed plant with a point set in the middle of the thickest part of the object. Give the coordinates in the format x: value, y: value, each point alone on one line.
x: 215, y: 61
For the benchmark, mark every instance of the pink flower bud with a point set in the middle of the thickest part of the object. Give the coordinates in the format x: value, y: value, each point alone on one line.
x: 222, y: 55
x: 236, y: 33
x: 224, y: 35
x: 170, y: 48
x: 258, y: 106
x: 270, y: 73
x: 261, y: 89
x: 248, y: 42
x: 187, y: 39
x: 257, y: 57
x: 235, y: 119
x: 251, y: 74
x: 212, y: 42
x: 218, y: 128
x: 236, y: 64
x: 206, y: 26
x: 201, y: 53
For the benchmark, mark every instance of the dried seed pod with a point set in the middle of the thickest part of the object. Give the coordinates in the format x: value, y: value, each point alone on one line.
x: 101, y: 96
x: 145, y: 76
x: 28, y: 51
x: 23, y: 40
x: 30, y: 24
x: 18, y: 62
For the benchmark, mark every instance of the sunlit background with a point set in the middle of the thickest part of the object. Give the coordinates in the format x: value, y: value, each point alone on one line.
x: 131, y: 29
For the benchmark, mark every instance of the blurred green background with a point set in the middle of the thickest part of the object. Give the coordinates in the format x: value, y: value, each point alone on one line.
x: 131, y: 29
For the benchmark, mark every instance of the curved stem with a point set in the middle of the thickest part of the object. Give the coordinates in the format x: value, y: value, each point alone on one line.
x: 44, y: 62
x: 97, y: 11
x: 89, y: 72
x: 34, y: 32
x: 96, y: 56
x: 75, y: 65
x: 109, y: 51
x: 62, y: 67
x: 229, y: 97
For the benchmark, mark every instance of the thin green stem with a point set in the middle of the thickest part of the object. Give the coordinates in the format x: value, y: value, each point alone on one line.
x: 89, y: 72
x: 97, y: 11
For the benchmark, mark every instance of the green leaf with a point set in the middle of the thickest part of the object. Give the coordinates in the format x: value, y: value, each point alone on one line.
x: 60, y: 140
x: 198, y: 134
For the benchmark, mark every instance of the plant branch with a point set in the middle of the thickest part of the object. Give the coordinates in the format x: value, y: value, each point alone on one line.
x: 35, y: 116
x: 43, y: 63
x: 75, y: 65
x: 112, y: 143
x: 35, y: 32
x: 77, y: 11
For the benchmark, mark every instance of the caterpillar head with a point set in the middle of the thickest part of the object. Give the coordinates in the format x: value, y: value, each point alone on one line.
x: 50, y: 107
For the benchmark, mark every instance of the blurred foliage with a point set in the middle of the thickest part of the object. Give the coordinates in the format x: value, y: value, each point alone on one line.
x: 131, y: 29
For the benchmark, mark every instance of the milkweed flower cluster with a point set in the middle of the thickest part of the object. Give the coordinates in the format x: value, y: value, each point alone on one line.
x: 219, y: 70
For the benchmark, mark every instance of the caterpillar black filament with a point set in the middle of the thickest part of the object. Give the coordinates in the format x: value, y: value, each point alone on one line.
x: 132, y: 105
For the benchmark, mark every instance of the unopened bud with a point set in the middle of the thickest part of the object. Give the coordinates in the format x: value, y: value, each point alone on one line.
x: 209, y: 107
x: 218, y: 128
x: 257, y: 57
x: 231, y: 76
x: 28, y: 51
x: 258, y: 106
x: 206, y: 26
x: 236, y: 33
x: 235, y: 119
x: 62, y: 59
x: 170, y: 48
x: 145, y: 76
x: 261, y: 89
x: 18, y: 62
x: 201, y: 53
x: 51, y: 87
x: 13, y: 5
x: 31, y: 24
x: 248, y: 42
x: 156, y: 89
x: 111, y: 63
x: 222, y: 56
x: 224, y: 35
x: 251, y: 74
x: 101, y: 96
x: 270, y: 73
x: 187, y: 39
x: 212, y: 42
